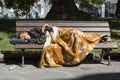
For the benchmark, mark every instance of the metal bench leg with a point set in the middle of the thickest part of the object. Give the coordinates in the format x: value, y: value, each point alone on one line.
x: 102, y: 56
x: 107, y: 51
x: 22, y: 50
x: 109, y: 59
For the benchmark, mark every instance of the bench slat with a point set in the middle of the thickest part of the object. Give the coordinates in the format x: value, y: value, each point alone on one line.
x: 110, y: 45
x: 28, y: 46
x: 27, y: 28
x: 62, y: 23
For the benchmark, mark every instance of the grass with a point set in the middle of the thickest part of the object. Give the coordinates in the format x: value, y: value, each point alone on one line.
x: 115, y: 34
x: 4, y: 41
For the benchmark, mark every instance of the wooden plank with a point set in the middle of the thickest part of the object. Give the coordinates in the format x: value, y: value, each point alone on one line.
x: 27, y: 28
x: 110, y: 45
x: 91, y: 32
x: 106, y: 33
x: 61, y: 23
x: 44, y: 21
x: 29, y: 46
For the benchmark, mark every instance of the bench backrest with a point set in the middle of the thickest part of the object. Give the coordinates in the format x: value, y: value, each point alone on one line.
x: 86, y: 26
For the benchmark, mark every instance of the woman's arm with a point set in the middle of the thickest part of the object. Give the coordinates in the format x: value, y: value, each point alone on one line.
x: 49, y: 28
x: 52, y: 40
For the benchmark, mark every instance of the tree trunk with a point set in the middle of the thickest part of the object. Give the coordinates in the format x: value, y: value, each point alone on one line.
x: 66, y: 10
x: 118, y: 10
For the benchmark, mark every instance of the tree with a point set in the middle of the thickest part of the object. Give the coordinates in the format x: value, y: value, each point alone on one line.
x: 66, y: 10
x: 118, y: 9
x: 61, y: 9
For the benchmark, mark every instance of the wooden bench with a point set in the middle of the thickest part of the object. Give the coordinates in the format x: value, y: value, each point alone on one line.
x: 86, y: 26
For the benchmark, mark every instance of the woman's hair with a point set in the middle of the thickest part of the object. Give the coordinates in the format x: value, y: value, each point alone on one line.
x: 17, y: 35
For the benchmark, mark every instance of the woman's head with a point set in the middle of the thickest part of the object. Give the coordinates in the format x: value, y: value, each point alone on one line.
x: 24, y: 35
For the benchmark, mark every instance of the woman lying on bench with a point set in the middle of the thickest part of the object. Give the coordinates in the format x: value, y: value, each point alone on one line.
x: 62, y: 46
x: 35, y: 35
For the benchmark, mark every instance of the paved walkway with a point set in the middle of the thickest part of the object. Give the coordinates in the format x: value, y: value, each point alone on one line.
x: 84, y: 71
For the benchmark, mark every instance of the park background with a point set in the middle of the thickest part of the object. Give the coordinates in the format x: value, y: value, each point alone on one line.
x: 48, y: 10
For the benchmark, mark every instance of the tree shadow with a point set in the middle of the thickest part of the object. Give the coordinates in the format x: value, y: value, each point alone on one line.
x: 101, y: 76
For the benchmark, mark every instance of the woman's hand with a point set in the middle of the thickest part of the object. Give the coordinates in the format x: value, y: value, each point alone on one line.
x: 44, y: 26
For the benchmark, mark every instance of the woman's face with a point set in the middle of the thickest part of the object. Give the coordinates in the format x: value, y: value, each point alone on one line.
x: 24, y: 35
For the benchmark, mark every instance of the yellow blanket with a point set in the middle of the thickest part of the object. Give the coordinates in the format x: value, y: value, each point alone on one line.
x: 71, y: 47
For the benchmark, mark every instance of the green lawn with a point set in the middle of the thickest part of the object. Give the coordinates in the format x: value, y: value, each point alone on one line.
x: 4, y: 41
x: 115, y: 33
x: 116, y: 37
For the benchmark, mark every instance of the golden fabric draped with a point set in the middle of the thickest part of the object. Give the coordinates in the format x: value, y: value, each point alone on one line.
x: 71, y: 47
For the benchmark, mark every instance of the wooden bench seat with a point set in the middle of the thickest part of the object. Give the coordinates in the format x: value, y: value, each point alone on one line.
x: 111, y: 45
x: 86, y: 26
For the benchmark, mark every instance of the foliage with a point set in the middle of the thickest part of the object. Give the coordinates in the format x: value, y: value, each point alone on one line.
x: 90, y: 3
x: 7, y: 25
x: 50, y: 1
x: 117, y: 14
x: 21, y: 7
x: 87, y: 3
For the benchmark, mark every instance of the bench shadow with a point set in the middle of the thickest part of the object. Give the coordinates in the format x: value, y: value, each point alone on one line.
x: 33, y: 58
x: 101, y: 76
x: 15, y: 57
x: 90, y: 60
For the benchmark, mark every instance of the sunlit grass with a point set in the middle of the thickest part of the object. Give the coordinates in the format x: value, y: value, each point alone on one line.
x: 4, y: 41
x: 115, y: 34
